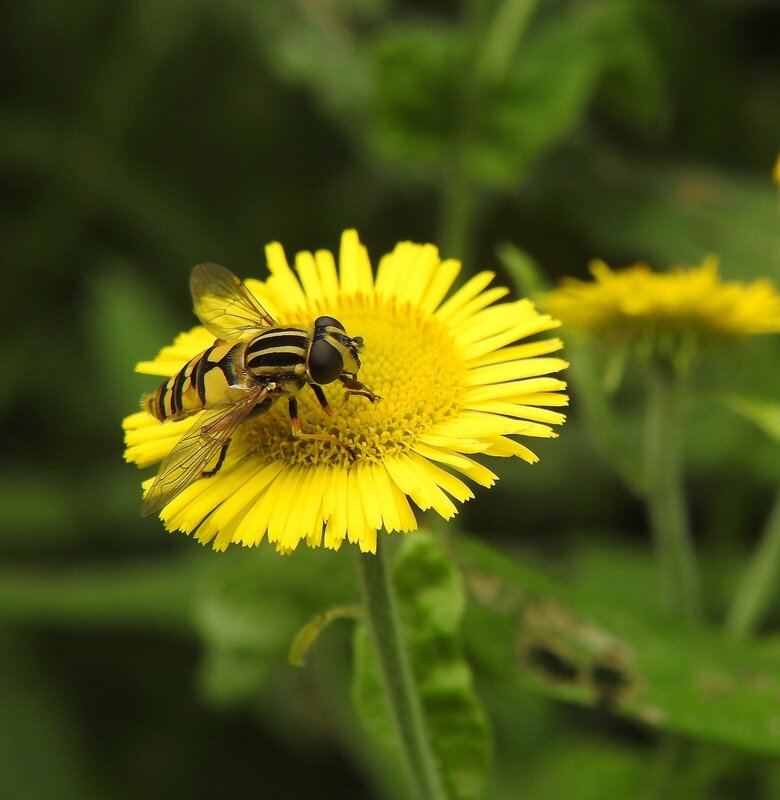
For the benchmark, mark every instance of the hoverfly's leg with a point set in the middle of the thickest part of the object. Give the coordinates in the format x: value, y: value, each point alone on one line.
x: 321, y: 437
x: 323, y: 401
x: 355, y: 387
x: 207, y: 473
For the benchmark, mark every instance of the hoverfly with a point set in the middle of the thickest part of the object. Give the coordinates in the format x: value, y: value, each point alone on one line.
x: 253, y: 363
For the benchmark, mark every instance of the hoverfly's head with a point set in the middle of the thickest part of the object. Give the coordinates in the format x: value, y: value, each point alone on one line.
x: 332, y: 352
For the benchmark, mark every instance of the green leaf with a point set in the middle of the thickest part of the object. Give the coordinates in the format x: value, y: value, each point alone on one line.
x: 431, y: 605
x: 247, y: 630
x: 126, y: 322
x: 249, y: 608
x: 586, y: 769
x: 763, y: 413
x: 431, y: 101
x: 317, y: 46
x: 421, y: 77
x: 542, y: 99
x: 307, y: 636
x: 636, y: 36
x: 584, y: 648
x: 418, y: 73
x: 528, y: 277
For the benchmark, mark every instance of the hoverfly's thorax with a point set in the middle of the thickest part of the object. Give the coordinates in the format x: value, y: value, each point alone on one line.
x: 277, y: 354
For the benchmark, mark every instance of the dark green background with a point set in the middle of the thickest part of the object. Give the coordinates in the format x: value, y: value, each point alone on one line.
x: 139, y: 138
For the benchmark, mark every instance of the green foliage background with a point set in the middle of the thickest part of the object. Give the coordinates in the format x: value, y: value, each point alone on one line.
x: 140, y: 137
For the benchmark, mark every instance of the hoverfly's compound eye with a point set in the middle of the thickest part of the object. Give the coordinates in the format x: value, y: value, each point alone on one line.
x: 325, y: 362
x: 327, y: 322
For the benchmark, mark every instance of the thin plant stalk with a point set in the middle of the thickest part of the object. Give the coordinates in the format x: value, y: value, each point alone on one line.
x: 664, y: 493
x: 598, y: 411
x: 382, y: 616
x: 758, y: 584
x: 663, y: 489
x: 495, y: 41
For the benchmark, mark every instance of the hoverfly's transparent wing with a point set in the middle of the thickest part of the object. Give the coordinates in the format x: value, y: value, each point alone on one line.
x: 224, y: 305
x: 197, y: 449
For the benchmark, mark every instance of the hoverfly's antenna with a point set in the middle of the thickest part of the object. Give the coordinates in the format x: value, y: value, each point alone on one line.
x: 364, y: 331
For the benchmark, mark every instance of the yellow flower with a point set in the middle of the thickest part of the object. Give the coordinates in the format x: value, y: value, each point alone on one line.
x: 454, y: 379
x: 665, y: 309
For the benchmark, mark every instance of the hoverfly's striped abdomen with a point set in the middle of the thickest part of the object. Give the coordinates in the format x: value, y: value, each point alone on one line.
x: 200, y: 383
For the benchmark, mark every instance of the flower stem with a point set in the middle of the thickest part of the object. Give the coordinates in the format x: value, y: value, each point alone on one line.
x: 664, y: 494
x: 382, y: 615
x: 759, y: 580
x: 601, y: 418
x: 499, y: 42
x: 496, y: 31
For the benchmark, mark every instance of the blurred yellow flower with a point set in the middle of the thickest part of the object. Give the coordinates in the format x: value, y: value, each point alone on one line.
x: 665, y: 309
x: 454, y: 379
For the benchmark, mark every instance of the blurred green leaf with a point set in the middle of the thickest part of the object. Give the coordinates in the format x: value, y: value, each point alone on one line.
x: 542, y: 99
x: 608, y: 566
x: 307, y: 636
x: 126, y: 321
x: 635, y: 86
x: 586, y: 769
x: 148, y: 594
x: 423, y: 76
x: 743, y: 439
x: 431, y: 603
x: 317, y: 45
x: 763, y: 413
x: 527, y: 275
x: 418, y: 75
x: 250, y: 608
x: 583, y: 648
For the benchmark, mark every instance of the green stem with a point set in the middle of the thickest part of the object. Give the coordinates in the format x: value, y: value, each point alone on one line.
x: 399, y: 682
x: 602, y: 420
x: 664, y: 494
x: 458, y: 208
x: 506, y: 29
x: 495, y: 42
x: 759, y: 580
x: 459, y: 202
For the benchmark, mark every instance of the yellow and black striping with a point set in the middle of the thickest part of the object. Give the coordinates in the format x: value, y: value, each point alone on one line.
x: 278, y: 350
x: 201, y: 382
